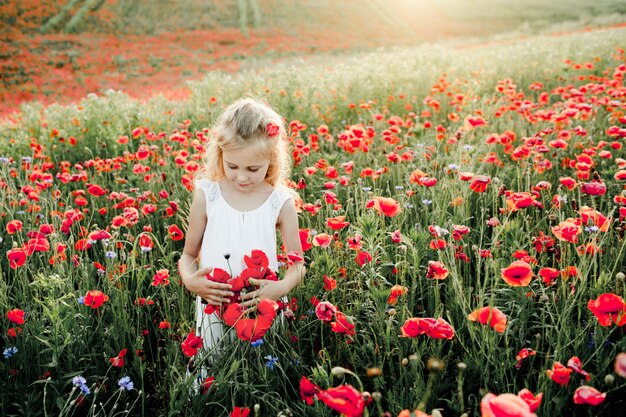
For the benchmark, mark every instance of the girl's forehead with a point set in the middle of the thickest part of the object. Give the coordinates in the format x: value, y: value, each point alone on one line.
x: 245, y: 156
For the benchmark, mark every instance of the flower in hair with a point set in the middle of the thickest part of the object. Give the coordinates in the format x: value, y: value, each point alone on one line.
x: 271, y: 129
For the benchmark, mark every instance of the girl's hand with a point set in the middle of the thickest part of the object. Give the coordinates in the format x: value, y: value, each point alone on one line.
x: 273, y: 290
x: 214, y: 293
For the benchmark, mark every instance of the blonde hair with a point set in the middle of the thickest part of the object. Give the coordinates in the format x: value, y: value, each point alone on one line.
x: 245, y: 123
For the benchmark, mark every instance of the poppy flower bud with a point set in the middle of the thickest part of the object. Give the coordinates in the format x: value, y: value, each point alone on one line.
x: 392, y: 312
x: 338, y: 371
x: 377, y: 396
x: 609, y: 379
x: 620, y: 276
x: 405, y: 362
x: 413, y: 358
x: 435, y: 365
x: 462, y: 366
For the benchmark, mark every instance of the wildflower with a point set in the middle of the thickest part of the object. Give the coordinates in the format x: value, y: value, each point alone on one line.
x: 427, y: 202
x: 396, y: 291
x: 118, y: 361
x: 81, y: 383
x: 344, y: 399
x: 567, y: 230
x: 175, y: 233
x: 257, y: 343
x: 17, y: 257
x: 588, y: 395
x: 504, y: 405
x: 162, y: 277
x: 575, y: 364
x: 342, y: 325
x: 491, y: 316
x: 608, y: 308
x: 533, y: 401
x: 95, y: 298
x: 559, y: 373
x: 308, y: 390
x: 436, y: 270
x: 126, y: 384
x: 191, y: 344
x: 207, y: 383
x: 240, y: 412
x: 16, y: 316
x: 385, y: 206
x: 518, y: 274
x: 271, y: 361
x: 435, y: 328
x: 110, y: 254
x: 523, y: 354
x: 325, y: 311
x: 322, y: 240
x: 9, y: 352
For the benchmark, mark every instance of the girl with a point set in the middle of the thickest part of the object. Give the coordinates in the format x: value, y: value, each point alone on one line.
x: 241, y: 198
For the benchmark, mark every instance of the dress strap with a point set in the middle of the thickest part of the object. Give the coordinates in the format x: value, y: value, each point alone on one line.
x: 209, y: 188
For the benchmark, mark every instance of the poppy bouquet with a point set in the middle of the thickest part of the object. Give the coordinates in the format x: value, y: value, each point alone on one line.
x: 247, y: 326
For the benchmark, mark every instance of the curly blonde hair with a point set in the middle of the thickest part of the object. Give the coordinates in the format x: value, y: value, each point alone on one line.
x: 249, y: 122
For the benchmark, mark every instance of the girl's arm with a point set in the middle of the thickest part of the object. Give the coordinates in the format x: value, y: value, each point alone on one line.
x: 274, y: 290
x: 194, y: 279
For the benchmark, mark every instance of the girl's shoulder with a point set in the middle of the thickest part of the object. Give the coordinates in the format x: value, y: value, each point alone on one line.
x: 208, y: 187
x: 280, y: 195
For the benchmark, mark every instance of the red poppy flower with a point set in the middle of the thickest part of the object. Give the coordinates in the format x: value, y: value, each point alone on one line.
x: 548, y: 275
x: 322, y: 240
x: 145, y: 242
x: 344, y: 399
x: 308, y: 390
x: 588, y: 395
x: 567, y: 230
x: 436, y: 270
x: 533, y: 401
x: 589, y: 214
x: 257, y: 258
x: 386, y: 206
x: 518, y: 274
x: 414, y: 413
x: 207, y: 383
x: 559, y: 373
x: 191, y: 344
x: 39, y: 244
x: 523, y: 354
x: 162, y: 277
x: 175, y: 233
x: 14, y: 226
x: 396, y: 236
x: 504, y: 405
x: 568, y: 182
x: 458, y: 231
x: 16, y: 316
x: 362, y: 258
x: 240, y: 412
x: 479, y: 183
x: 435, y: 328
x: 575, y: 364
x: 325, y: 311
x: 593, y: 188
x: 272, y: 129
x: 520, y: 200
x: 118, y: 361
x: 608, y: 308
x: 342, y: 325
x: 489, y: 315
x: 396, y: 291
x: 304, y: 239
x: 95, y: 298
x: 337, y: 223
x: 330, y: 283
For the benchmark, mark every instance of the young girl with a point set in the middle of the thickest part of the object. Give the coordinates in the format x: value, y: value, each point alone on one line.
x: 241, y: 199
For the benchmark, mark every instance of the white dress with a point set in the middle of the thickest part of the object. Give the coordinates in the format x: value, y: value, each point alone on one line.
x: 237, y: 233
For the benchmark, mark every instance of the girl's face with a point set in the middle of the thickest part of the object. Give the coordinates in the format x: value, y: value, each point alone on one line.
x: 245, y: 168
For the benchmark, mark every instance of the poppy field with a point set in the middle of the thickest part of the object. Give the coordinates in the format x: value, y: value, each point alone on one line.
x: 462, y: 215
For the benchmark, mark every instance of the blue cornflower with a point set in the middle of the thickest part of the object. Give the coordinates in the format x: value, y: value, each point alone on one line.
x: 367, y: 189
x: 468, y: 147
x: 145, y: 249
x: 399, y: 187
x: 9, y: 352
x: 27, y: 159
x: 4, y: 160
x: 591, y: 229
x: 126, y: 384
x: 80, y: 382
x: 453, y: 167
x: 81, y: 300
x: 427, y: 202
x: 110, y: 254
x: 256, y: 343
x: 271, y: 361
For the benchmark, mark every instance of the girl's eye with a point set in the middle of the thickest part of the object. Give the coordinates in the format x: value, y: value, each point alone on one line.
x: 231, y: 167
x: 254, y: 170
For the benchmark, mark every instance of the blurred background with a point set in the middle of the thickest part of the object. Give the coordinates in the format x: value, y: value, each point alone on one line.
x: 59, y: 51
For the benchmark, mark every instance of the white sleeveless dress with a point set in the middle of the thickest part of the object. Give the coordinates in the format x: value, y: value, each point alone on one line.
x: 237, y: 233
